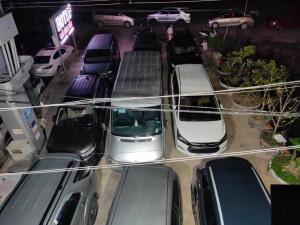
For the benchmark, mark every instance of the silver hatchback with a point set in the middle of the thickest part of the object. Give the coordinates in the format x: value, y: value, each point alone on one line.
x: 231, y: 19
x: 112, y: 17
x: 61, y: 197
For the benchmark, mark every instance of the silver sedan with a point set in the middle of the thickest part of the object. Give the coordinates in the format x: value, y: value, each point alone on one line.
x: 231, y: 19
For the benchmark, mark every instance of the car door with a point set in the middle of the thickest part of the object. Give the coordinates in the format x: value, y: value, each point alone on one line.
x: 176, y: 214
x: 56, y: 61
x: 238, y: 19
x: 225, y: 20
x: 163, y: 16
x: 173, y: 15
x: 174, y: 91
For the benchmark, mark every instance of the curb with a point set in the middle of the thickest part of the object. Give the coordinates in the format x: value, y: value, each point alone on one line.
x: 274, y: 174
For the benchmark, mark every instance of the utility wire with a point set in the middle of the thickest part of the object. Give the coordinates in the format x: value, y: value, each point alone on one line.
x: 162, y: 161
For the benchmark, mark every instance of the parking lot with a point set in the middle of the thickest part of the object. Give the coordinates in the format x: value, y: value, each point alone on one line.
x: 243, y: 131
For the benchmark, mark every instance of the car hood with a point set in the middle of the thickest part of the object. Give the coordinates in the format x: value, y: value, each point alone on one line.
x: 71, y: 140
x: 96, y: 68
x: 35, y: 66
x: 136, y: 150
x: 202, y: 132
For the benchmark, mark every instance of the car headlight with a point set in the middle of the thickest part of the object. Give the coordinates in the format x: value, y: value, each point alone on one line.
x: 182, y: 138
x: 223, y: 139
x: 87, y: 153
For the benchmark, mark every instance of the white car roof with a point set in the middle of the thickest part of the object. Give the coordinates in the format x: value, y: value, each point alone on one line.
x: 46, y: 51
x: 192, y: 78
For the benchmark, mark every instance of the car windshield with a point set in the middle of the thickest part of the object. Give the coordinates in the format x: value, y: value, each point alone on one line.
x: 97, y: 56
x: 76, y: 117
x: 41, y: 59
x: 135, y: 123
x: 198, y: 103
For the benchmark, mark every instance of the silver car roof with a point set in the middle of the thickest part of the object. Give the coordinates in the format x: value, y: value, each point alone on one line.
x: 139, y: 75
x: 29, y: 201
x: 144, y: 196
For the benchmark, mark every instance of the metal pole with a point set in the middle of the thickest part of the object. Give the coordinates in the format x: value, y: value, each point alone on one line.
x: 74, y: 42
x: 17, y: 56
x: 246, y: 5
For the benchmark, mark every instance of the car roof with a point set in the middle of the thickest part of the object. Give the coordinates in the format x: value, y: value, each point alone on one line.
x: 192, y: 78
x: 146, y: 41
x: 139, y: 75
x: 85, y: 87
x: 143, y: 196
x: 34, y: 193
x: 240, y: 192
x: 100, y: 41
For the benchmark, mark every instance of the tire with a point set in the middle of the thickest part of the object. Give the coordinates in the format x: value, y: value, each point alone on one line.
x: 215, y: 25
x: 100, y: 23
x: 180, y: 22
x: 153, y: 22
x: 127, y: 24
x: 93, y: 210
x: 244, y: 26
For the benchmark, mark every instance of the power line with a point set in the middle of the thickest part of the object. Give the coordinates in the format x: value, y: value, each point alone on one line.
x: 162, y: 161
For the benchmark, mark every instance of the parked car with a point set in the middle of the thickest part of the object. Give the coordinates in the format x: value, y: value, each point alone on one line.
x: 229, y: 191
x: 183, y: 49
x: 231, y: 19
x: 136, y: 131
x: 37, y: 84
x: 79, y: 129
x: 146, y: 41
x: 281, y: 22
x: 169, y: 15
x: 153, y: 193
x: 112, y: 17
x: 102, y: 57
x: 196, y: 132
x: 48, y: 60
x: 67, y: 197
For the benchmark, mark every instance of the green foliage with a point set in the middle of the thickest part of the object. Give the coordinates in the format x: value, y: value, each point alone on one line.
x: 279, y: 164
x: 295, y: 142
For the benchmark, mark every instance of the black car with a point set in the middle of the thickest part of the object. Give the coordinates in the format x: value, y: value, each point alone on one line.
x: 81, y: 129
x: 229, y: 191
x: 183, y: 49
x: 102, y: 57
x: 146, y: 41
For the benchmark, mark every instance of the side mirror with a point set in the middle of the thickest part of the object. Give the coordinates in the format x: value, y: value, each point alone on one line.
x: 220, y: 104
x: 54, y: 118
x: 173, y: 65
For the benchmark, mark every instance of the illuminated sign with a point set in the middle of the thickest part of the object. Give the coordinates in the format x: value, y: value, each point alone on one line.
x: 61, y: 24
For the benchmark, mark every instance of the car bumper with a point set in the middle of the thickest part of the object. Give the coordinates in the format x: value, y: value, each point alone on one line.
x: 194, y: 150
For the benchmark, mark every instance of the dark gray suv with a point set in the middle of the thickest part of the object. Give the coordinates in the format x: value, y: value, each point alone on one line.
x: 61, y: 198
x: 230, y: 192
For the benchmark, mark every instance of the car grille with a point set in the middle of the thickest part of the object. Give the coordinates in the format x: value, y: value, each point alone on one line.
x: 203, y: 147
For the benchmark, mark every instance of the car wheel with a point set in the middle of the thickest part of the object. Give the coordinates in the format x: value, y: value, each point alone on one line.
x: 153, y: 22
x: 127, y: 24
x: 244, y: 26
x: 100, y: 23
x: 215, y: 25
x: 93, y: 210
x: 180, y: 22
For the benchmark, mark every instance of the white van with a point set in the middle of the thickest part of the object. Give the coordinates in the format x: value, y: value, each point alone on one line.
x: 136, y: 131
x: 196, y: 132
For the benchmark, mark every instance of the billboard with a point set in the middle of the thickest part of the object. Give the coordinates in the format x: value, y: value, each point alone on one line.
x: 61, y: 24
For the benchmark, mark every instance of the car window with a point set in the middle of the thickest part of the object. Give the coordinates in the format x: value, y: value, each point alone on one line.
x: 164, y: 12
x: 238, y: 15
x: 209, y: 210
x: 175, y: 218
x: 63, y: 51
x: 226, y: 16
x: 41, y: 59
x: 56, y: 55
x: 173, y: 11
x: 81, y: 174
x: 115, y: 13
x: 67, y: 212
x: 175, y: 88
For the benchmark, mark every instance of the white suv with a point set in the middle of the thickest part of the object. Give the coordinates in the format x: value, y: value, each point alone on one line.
x: 198, y: 125
x: 169, y: 15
